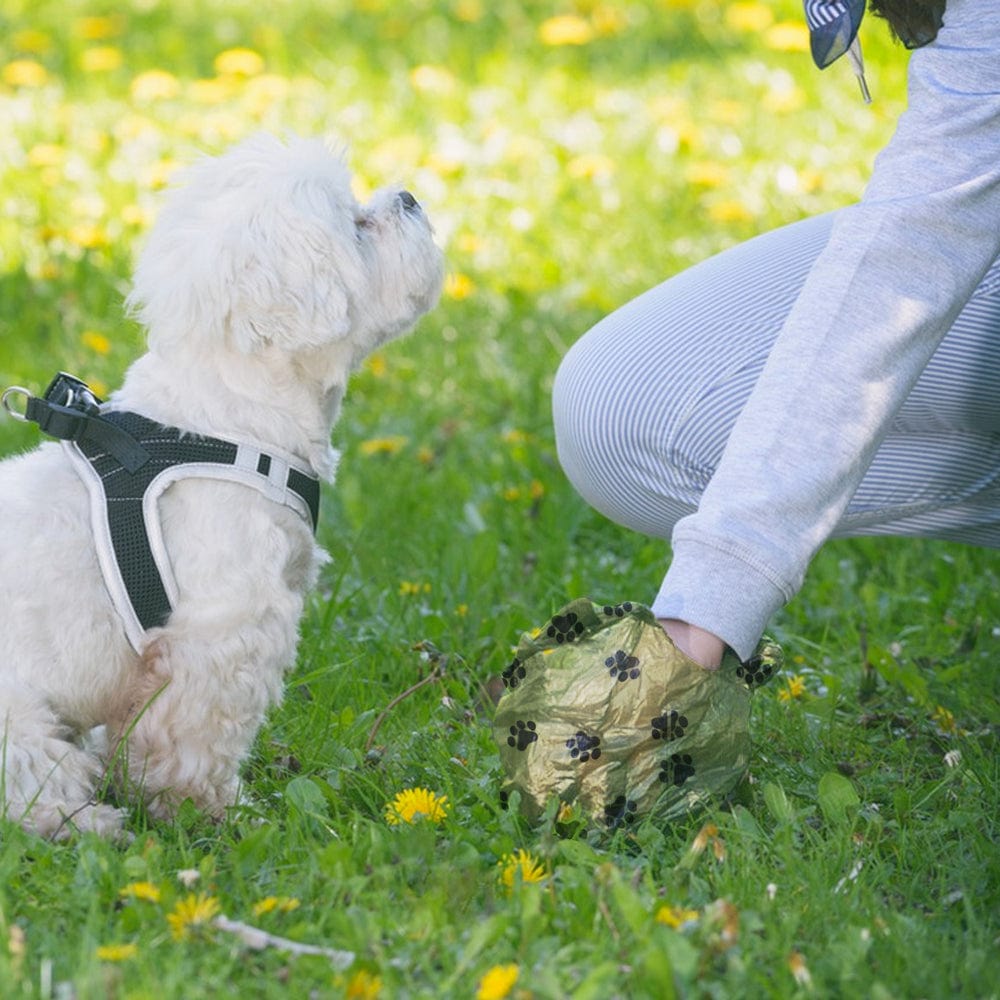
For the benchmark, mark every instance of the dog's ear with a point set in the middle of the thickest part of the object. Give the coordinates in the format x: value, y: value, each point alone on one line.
x: 290, y: 282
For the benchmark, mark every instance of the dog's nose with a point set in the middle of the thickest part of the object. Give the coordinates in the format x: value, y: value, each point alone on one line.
x: 409, y: 202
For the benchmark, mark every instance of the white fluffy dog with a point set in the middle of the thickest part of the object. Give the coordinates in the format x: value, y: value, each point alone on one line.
x: 262, y: 285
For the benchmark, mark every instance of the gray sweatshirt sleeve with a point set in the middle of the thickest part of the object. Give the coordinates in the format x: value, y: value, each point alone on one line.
x: 897, y: 270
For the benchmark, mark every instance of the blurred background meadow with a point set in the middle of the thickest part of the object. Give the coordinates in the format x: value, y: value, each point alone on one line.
x: 571, y: 153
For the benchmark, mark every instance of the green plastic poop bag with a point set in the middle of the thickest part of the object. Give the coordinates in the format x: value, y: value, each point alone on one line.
x: 603, y: 712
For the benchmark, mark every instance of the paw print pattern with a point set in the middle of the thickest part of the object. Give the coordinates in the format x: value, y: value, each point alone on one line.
x: 514, y: 674
x: 617, y: 610
x: 669, y: 726
x: 676, y: 769
x: 583, y: 747
x: 755, y: 671
x: 522, y: 735
x: 565, y: 628
x: 622, y: 666
x: 621, y: 812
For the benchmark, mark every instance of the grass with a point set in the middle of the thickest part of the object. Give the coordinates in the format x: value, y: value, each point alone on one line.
x: 860, y: 859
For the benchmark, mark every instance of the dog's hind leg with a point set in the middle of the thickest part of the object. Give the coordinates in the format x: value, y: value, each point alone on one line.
x: 48, y: 781
x: 192, y: 716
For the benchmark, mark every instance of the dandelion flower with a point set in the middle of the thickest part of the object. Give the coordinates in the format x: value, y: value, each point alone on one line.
x: 97, y: 342
x: 794, y: 688
x: 520, y: 865
x: 283, y: 904
x: 363, y: 985
x: 384, y: 445
x: 729, y: 210
x: 749, y: 17
x: 566, y: 29
x: 191, y: 912
x: 787, y: 36
x: 413, y: 805
x: 154, y: 85
x: 93, y: 28
x: 497, y: 982
x: 141, y: 890
x: 117, y: 952
x: 407, y: 588
x: 458, y: 286
x: 25, y: 73
x: 944, y: 719
x: 101, y: 59
x: 238, y: 62
x: 675, y: 916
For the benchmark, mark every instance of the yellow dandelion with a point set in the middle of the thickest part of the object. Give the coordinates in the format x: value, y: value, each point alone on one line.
x: 432, y: 79
x: 25, y: 73
x: 414, y: 805
x: 587, y: 166
x: 536, y: 490
x: 194, y: 911
x: 88, y: 236
x: 729, y: 210
x: 566, y: 29
x: 945, y: 719
x: 409, y: 588
x: 141, y: 890
x: 425, y: 455
x: 216, y: 91
x: 94, y: 28
x: 520, y: 866
x: 749, y: 17
x: 117, y: 952
x: 462, y: 610
x: 706, y: 173
x: 283, y: 904
x: 497, y: 982
x: 469, y: 11
x: 46, y: 154
x: 608, y: 19
x: 101, y: 59
x: 363, y: 985
x: 238, y: 62
x: 384, y: 446
x: 794, y: 687
x: 376, y: 364
x: 787, y: 36
x: 512, y: 494
x: 676, y: 916
x: 31, y: 40
x: 458, y: 286
x: 97, y: 342
x: 154, y: 85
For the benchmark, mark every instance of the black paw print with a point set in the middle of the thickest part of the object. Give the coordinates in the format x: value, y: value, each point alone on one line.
x: 755, y: 671
x: 522, y: 735
x: 565, y: 628
x: 617, y: 610
x: 669, y: 726
x: 676, y: 769
x: 514, y: 674
x: 584, y: 747
x: 621, y: 812
x: 622, y: 666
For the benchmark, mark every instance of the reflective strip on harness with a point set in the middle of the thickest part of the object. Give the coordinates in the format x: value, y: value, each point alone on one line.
x: 124, y: 506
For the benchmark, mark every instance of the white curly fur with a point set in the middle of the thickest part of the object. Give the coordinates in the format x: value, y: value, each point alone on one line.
x: 262, y: 285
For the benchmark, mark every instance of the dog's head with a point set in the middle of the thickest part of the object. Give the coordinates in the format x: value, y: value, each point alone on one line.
x: 266, y: 247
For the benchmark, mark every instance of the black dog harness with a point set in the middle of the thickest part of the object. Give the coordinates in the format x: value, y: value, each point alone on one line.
x: 126, y: 462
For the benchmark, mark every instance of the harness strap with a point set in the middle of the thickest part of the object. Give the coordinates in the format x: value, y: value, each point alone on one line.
x: 126, y: 462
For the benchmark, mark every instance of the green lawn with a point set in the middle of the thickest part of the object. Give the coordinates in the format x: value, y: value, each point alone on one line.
x: 860, y: 860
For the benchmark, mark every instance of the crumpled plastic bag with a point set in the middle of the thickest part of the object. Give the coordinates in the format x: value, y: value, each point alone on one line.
x: 601, y: 710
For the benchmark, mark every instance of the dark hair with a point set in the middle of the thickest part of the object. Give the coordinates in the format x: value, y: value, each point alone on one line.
x: 913, y: 22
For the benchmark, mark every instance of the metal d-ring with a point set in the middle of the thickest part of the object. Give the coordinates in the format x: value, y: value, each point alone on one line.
x: 5, y: 401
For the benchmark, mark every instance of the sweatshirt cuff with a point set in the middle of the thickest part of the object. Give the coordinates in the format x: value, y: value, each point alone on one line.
x: 719, y: 592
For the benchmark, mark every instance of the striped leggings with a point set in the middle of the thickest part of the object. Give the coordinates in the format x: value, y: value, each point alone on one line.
x: 644, y: 402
